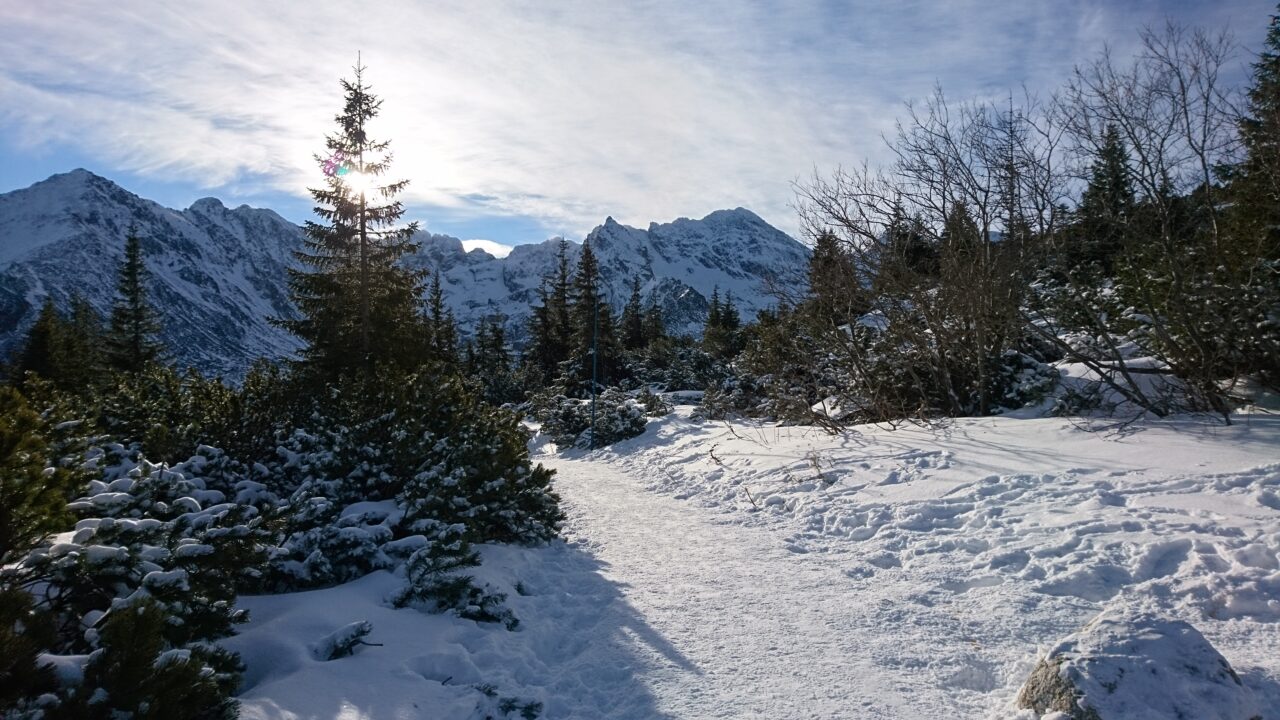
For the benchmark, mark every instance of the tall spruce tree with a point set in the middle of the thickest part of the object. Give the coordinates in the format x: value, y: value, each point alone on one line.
x: 441, y: 328
x: 1257, y: 181
x: 131, y: 342
x: 550, y: 333
x: 40, y: 353
x: 835, y: 296
x: 359, y: 305
x: 81, y: 362
x: 633, y: 334
x: 655, y: 328
x: 1252, y: 246
x: 594, y: 348
x: 1105, y: 210
x: 721, y: 336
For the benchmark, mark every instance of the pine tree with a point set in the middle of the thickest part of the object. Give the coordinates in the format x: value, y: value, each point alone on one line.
x: 1252, y: 245
x: 549, y: 326
x: 1258, y: 180
x: 594, y: 350
x: 41, y: 350
x: 33, y: 490
x: 131, y: 343
x: 633, y: 334
x: 442, y: 329
x: 655, y: 327
x: 834, y: 296
x: 720, y: 336
x: 82, y: 360
x: 490, y: 362
x: 1104, y: 213
x: 358, y: 303
x: 910, y: 256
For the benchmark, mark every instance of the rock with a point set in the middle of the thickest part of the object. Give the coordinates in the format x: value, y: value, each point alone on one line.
x: 1137, y: 666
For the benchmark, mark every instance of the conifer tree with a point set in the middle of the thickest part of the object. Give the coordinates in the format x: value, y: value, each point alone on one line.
x: 910, y: 258
x: 358, y: 303
x: 550, y: 333
x: 1258, y: 179
x: 720, y: 336
x: 1105, y: 210
x: 441, y: 328
x: 1252, y: 247
x: 33, y: 491
x: 131, y: 343
x: 40, y: 352
x: 633, y: 334
x: 81, y: 362
x: 655, y: 328
x: 834, y: 296
x: 594, y: 345
x: 489, y: 362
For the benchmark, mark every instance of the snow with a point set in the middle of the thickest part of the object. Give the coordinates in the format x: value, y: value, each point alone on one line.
x: 724, y: 570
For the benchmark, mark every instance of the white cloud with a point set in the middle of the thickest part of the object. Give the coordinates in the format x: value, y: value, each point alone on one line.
x: 495, y: 249
x: 563, y: 112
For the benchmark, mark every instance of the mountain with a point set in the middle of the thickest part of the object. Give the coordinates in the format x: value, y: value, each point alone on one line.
x: 679, y: 265
x: 219, y: 273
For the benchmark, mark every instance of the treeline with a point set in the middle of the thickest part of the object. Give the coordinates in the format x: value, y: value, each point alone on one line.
x: 1126, y: 227
x: 1114, y: 247
x: 137, y: 500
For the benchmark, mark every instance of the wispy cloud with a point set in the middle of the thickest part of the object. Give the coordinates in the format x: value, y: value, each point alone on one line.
x: 559, y: 112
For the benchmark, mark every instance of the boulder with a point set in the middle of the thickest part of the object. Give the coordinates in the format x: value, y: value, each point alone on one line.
x: 1137, y: 666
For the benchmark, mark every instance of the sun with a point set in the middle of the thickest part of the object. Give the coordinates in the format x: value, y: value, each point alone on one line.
x: 358, y: 182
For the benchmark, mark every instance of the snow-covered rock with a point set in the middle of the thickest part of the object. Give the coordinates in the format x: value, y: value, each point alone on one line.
x: 1137, y: 666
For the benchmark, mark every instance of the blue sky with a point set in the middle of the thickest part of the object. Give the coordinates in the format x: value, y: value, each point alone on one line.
x: 518, y: 121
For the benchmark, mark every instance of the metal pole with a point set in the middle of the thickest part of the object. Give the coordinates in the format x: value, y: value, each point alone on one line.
x: 595, y: 364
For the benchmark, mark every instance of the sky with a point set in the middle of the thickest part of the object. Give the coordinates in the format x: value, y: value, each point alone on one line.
x: 518, y: 121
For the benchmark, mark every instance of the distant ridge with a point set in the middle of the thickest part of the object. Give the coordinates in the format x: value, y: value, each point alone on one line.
x: 219, y: 273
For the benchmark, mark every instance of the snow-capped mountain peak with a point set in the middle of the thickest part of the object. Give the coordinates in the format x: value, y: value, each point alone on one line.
x: 219, y: 273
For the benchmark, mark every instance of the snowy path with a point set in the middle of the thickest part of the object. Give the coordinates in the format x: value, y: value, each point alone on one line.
x: 893, y: 575
x: 710, y: 571
x: 758, y: 631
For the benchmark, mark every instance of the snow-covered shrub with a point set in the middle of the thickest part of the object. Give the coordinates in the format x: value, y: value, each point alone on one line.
x: 561, y: 417
x: 654, y: 405
x: 618, y: 417
x: 152, y: 532
x: 1021, y: 381
x: 435, y: 582
x: 673, y: 363
x: 143, y: 587
x: 341, y: 642
x: 34, y: 486
x: 25, y: 678
x: 135, y: 672
x: 568, y: 420
x: 738, y: 395
x: 388, y: 475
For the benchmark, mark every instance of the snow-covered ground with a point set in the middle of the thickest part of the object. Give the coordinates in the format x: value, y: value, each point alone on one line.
x: 714, y: 570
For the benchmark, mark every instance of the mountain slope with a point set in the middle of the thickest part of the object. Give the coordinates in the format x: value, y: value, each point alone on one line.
x: 679, y: 265
x: 218, y: 273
